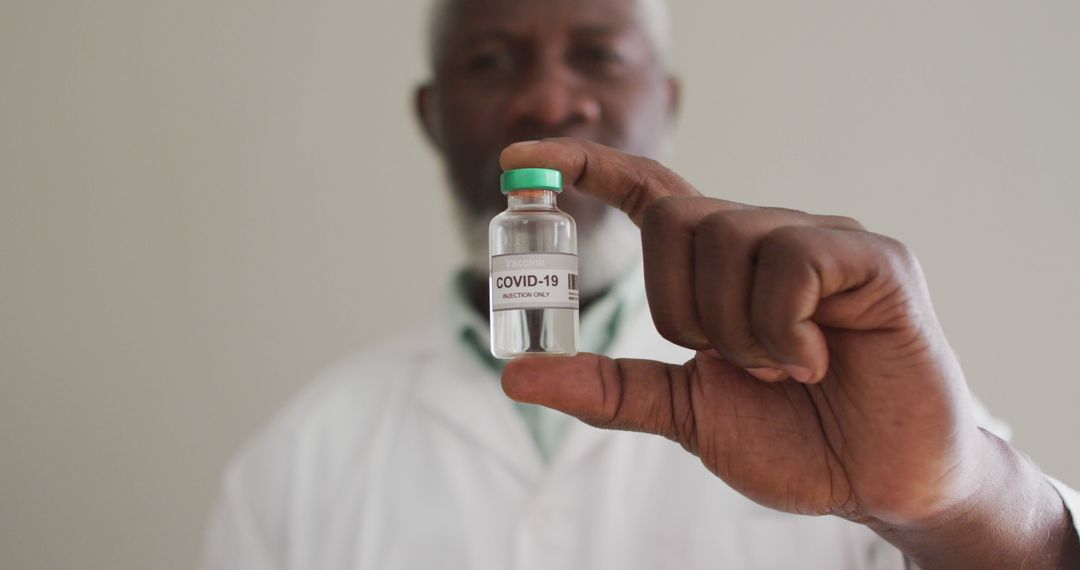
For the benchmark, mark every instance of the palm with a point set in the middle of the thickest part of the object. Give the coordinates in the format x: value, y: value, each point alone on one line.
x: 767, y: 441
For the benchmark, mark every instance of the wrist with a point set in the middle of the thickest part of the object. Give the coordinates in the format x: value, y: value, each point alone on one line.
x: 1013, y: 517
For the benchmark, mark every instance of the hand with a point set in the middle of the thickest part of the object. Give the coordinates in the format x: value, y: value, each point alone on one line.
x: 822, y: 382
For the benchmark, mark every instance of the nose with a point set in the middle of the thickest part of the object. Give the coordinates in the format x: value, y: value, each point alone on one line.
x: 551, y: 101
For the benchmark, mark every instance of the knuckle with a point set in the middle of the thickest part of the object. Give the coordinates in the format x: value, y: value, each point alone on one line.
x: 786, y: 213
x: 611, y: 377
x: 785, y: 241
x: 729, y: 228
x: 899, y: 254
x: 682, y: 213
x: 904, y: 261
x: 662, y: 213
x: 647, y: 164
x: 637, y: 199
x: 842, y: 222
x: 722, y: 225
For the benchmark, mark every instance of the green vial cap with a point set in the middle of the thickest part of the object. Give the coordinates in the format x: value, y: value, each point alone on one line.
x: 531, y: 179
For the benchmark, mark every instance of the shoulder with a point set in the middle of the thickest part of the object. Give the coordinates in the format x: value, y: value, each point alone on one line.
x: 330, y: 428
x: 283, y: 487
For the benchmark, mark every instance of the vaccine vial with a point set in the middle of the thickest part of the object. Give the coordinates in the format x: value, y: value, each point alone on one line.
x: 534, y: 277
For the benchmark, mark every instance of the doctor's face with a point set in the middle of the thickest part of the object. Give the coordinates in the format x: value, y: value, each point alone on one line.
x: 513, y: 70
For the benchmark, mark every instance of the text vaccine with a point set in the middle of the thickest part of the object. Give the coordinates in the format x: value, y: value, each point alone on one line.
x: 534, y: 269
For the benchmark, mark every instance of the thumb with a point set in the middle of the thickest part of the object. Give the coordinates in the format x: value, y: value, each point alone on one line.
x: 625, y: 394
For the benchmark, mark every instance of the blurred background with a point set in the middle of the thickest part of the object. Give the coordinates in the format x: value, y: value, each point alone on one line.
x: 203, y: 204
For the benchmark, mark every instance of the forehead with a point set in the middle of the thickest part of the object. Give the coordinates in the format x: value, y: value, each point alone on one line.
x: 471, y: 17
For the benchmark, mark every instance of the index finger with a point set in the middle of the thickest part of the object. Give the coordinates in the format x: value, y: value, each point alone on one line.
x: 629, y: 183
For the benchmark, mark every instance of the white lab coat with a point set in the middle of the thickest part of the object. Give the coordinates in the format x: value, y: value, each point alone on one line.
x: 410, y: 456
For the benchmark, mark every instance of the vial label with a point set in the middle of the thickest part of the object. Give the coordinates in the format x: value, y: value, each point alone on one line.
x: 534, y: 281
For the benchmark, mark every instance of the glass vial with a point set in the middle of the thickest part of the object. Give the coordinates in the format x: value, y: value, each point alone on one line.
x: 533, y: 287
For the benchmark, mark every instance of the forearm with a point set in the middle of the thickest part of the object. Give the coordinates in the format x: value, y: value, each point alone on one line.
x: 1016, y: 519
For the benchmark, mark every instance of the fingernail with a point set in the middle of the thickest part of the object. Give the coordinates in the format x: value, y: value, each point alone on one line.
x: 524, y: 143
x: 799, y: 373
x: 767, y: 374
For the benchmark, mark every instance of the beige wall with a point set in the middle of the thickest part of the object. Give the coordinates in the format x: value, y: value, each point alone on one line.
x: 204, y: 203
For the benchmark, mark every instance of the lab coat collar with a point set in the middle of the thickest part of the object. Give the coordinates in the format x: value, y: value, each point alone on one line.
x: 469, y: 398
x: 466, y: 396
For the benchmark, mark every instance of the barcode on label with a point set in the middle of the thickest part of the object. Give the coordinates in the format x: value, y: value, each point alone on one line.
x: 572, y: 281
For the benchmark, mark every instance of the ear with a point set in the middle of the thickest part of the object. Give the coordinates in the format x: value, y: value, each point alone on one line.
x: 674, y: 92
x: 427, y: 112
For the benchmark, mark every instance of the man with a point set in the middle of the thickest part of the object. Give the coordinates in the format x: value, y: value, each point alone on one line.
x: 822, y: 383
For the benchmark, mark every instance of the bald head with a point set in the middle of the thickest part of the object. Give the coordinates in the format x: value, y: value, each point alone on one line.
x: 652, y: 15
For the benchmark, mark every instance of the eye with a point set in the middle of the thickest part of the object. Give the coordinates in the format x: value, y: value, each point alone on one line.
x: 491, y: 61
x: 598, y: 56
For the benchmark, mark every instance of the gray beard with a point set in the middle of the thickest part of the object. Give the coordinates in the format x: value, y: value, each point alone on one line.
x: 606, y: 252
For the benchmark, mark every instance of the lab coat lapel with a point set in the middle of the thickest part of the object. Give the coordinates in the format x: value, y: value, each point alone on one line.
x: 467, y: 397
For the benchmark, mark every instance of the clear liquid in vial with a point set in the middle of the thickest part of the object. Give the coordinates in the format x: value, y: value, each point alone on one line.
x: 528, y: 331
